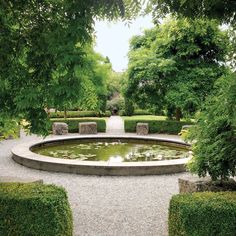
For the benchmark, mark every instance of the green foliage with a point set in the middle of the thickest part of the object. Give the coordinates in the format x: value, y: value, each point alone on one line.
x: 34, y: 209
x: 222, y: 10
x: 115, y: 87
x: 138, y: 112
x: 201, y: 214
x: 98, y: 71
x: 117, y: 103
x: 90, y: 81
x: 114, y: 84
x: 73, y: 123
x: 156, y: 126
x: 8, y: 128
x: 129, y: 107
x: 76, y: 114
x: 43, y: 56
x: 174, y: 65
x: 215, y: 133
x: 145, y: 117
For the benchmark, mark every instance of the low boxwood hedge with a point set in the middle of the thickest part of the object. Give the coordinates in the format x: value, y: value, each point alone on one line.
x: 142, y: 112
x: 156, y: 126
x: 34, y: 209
x: 73, y: 123
x: 137, y: 112
x: 74, y: 114
x: 203, y: 214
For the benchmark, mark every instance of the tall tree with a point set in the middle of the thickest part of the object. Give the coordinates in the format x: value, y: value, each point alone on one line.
x: 38, y: 50
x: 175, y: 65
x: 215, y: 133
x: 223, y: 10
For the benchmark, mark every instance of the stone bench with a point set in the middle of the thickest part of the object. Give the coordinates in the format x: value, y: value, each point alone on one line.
x: 193, y: 184
x: 88, y: 128
x: 59, y: 128
x: 142, y: 128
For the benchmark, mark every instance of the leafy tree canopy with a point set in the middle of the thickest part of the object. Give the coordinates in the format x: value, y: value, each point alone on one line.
x: 215, y: 149
x: 175, y: 65
x: 42, y: 54
x: 223, y: 10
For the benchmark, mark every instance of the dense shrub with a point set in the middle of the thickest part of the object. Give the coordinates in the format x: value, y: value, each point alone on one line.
x: 137, y: 112
x: 203, y: 214
x: 9, y: 128
x: 141, y: 112
x: 129, y: 107
x: 73, y: 123
x: 215, y: 133
x: 34, y: 209
x: 75, y: 114
x: 156, y: 126
x: 116, y: 103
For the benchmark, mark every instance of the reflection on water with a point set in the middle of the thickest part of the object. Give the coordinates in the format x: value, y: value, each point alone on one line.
x: 115, y: 159
x: 113, y: 151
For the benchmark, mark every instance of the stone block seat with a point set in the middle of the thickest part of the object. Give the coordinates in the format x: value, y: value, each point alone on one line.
x: 142, y: 128
x: 88, y: 128
x: 59, y: 128
x: 193, y: 184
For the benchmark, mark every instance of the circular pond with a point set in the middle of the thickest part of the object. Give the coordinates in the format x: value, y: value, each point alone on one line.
x: 105, y: 155
x: 113, y: 150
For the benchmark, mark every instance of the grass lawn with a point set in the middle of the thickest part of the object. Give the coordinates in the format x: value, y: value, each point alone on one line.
x: 81, y: 118
x: 144, y: 117
x: 150, y: 117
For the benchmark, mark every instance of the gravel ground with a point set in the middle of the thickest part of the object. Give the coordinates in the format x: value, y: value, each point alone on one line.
x: 115, y: 125
x: 106, y: 206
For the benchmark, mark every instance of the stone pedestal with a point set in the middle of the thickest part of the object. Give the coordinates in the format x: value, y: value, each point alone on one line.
x: 59, y: 128
x: 193, y: 184
x: 88, y: 128
x: 142, y: 128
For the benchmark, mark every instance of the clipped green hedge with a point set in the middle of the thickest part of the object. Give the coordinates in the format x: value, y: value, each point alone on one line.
x: 203, y: 214
x: 34, y: 209
x: 75, y: 114
x: 156, y: 126
x: 73, y: 123
x: 142, y: 112
x: 137, y: 112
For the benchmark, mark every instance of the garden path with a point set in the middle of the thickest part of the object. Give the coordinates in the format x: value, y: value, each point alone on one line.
x: 115, y: 125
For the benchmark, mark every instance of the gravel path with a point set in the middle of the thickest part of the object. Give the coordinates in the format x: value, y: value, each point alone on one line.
x: 106, y: 206
x: 115, y: 125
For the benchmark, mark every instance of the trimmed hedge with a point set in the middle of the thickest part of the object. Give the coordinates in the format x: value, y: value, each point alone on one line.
x: 136, y: 112
x: 203, y: 214
x: 34, y: 209
x: 75, y: 114
x: 156, y: 126
x: 142, y: 112
x: 73, y: 123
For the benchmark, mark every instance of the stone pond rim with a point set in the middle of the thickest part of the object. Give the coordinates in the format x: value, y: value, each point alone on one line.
x: 23, y: 155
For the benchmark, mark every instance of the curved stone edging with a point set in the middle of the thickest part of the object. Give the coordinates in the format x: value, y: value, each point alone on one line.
x: 24, y: 156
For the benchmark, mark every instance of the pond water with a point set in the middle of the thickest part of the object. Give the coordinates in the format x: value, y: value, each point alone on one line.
x: 113, y: 150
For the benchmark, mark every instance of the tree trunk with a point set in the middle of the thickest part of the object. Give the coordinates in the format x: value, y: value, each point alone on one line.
x: 65, y: 113
x: 47, y: 111
x: 178, y: 114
